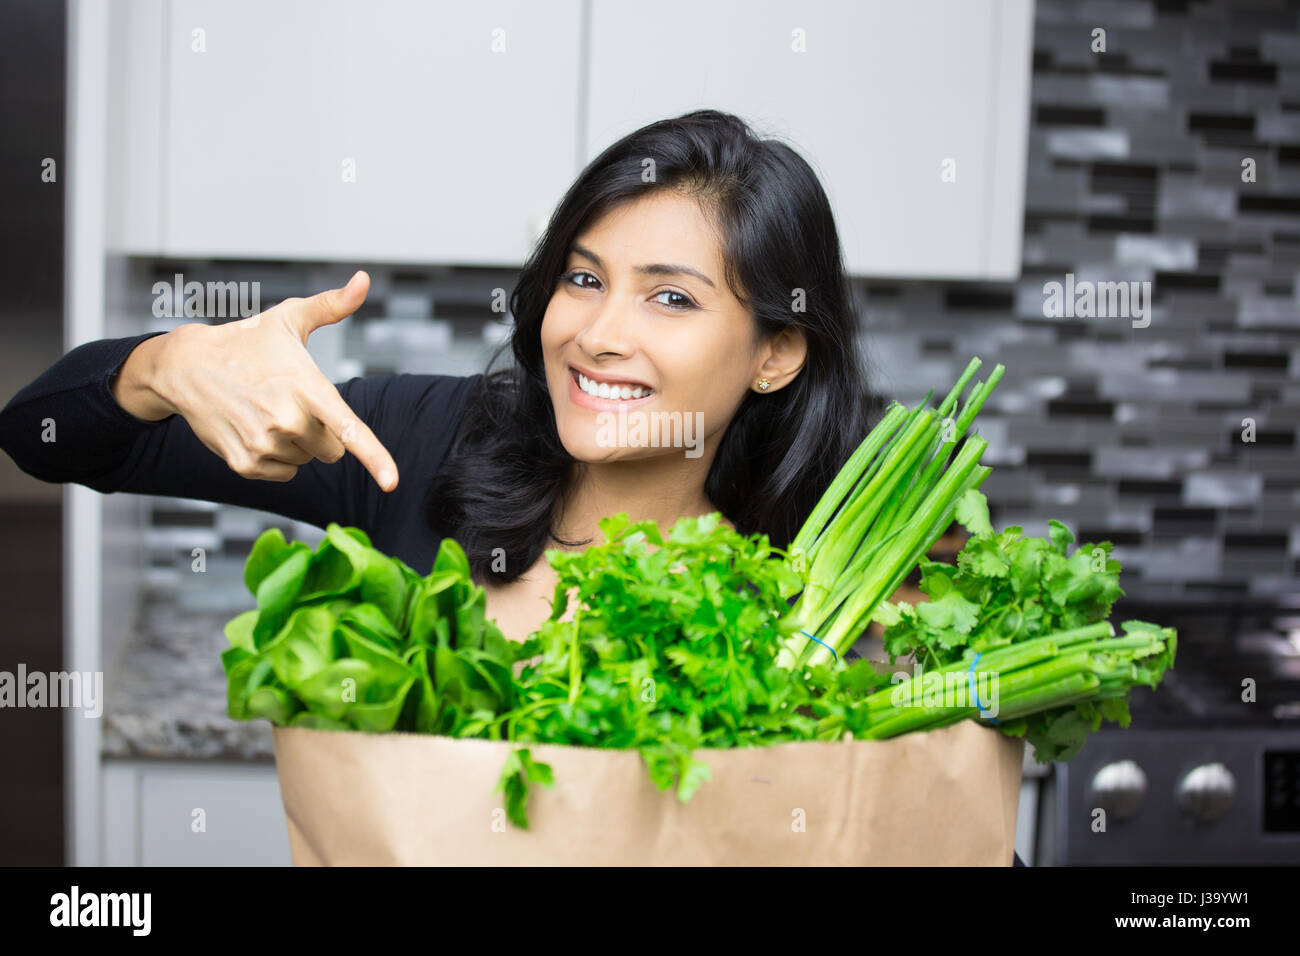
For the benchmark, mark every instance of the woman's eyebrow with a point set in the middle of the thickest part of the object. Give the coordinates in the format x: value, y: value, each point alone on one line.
x: 654, y: 269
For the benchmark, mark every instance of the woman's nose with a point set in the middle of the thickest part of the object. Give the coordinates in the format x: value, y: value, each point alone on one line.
x: 609, y: 331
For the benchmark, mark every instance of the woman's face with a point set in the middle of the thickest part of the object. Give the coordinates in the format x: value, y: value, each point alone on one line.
x: 644, y: 318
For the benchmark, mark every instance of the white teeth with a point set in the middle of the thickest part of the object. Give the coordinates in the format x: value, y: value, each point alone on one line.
x: 605, y: 390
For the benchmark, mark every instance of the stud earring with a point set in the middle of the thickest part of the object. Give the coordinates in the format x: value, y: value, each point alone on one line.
x: 763, y: 384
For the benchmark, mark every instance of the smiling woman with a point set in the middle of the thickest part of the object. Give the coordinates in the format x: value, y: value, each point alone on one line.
x: 683, y: 344
x: 690, y: 279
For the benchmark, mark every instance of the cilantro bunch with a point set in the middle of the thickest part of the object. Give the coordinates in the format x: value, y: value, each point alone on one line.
x: 1035, y: 615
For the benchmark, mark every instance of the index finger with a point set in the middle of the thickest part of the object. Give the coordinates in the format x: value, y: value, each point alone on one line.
x: 328, y: 405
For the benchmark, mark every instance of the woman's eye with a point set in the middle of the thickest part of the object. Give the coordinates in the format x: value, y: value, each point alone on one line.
x: 683, y: 305
x: 577, y: 274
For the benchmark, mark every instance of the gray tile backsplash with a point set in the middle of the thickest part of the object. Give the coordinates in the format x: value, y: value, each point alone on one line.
x: 1125, y: 433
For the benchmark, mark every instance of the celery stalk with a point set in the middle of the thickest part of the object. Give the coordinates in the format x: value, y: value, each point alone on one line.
x: 1067, y: 690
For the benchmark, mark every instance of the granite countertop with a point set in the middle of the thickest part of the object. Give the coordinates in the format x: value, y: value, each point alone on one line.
x: 167, y: 695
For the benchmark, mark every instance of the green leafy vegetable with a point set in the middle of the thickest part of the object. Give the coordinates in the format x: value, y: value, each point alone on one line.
x: 1034, y: 614
x: 671, y: 648
x: 349, y: 638
x: 519, y: 772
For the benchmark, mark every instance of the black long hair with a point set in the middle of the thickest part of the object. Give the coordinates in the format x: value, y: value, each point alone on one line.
x: 505, y: 477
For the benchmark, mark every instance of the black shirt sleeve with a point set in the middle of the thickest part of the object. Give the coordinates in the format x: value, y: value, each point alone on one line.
x: 66, y: 426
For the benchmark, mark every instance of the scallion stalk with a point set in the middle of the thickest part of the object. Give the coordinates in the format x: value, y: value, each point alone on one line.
x: 895, y: 563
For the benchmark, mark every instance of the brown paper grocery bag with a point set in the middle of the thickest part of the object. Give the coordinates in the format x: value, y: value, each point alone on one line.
x: 944, y: 796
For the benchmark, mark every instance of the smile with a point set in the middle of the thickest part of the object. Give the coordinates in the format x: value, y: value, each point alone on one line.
x: 613, y: 390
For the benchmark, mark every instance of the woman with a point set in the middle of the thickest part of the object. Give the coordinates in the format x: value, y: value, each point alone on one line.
x: 692, y: 266
x: 692, y: 274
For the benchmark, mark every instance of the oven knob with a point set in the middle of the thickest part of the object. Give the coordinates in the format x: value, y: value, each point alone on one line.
x: 1205, y: 793
x: 1119, y: 788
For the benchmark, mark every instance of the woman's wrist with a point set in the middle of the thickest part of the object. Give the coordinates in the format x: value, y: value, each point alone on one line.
x: 137, y: 385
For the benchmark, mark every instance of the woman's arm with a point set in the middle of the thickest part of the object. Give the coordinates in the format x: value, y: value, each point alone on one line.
x: 236, y: 413
x: 60, y: 427
x: 68, y: 426
x: 131, y: 384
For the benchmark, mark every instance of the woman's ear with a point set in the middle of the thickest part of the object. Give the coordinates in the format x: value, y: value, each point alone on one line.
x: 782, y: 359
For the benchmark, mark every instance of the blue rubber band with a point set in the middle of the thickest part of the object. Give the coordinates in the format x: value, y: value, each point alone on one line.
x: 974, y: 692
x: 823, y: 644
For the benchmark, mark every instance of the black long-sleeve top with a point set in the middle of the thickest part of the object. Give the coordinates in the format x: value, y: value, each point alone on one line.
x: 99, y: 444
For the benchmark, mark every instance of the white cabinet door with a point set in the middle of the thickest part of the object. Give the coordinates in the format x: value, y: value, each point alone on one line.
x: 193, y: 814
x: 392, y: 130
x: 878, y: 96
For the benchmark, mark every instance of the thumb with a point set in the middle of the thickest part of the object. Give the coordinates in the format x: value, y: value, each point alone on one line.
x: 333, y: 305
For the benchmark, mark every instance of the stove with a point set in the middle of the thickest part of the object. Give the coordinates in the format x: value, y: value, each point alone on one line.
x: 1208, y: 772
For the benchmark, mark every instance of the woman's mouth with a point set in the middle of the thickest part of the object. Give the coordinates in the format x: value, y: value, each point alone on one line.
x: 606, y: 393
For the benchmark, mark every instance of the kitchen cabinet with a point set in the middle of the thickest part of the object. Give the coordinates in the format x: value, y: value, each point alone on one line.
x: 175, y: 813
x: 915, y: 115
x: 340, y: 131
x: 446, y: 133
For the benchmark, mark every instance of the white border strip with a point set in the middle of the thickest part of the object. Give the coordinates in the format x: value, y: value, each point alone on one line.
x: 84, y: 179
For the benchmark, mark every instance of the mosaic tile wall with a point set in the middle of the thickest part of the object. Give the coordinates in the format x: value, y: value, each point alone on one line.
x: 1135, y: 174
x: 1131, y: 434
